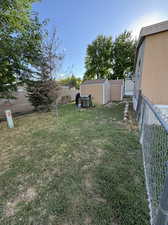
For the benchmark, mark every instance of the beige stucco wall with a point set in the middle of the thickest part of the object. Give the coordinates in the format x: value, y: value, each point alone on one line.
x: 154, y: 83
x: 96, y: 90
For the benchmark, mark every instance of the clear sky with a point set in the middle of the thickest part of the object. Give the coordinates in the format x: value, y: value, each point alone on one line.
x: 79, y: 22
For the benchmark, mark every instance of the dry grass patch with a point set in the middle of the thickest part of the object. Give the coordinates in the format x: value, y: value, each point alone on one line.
x: 68, y: 171
x: 11, y: 206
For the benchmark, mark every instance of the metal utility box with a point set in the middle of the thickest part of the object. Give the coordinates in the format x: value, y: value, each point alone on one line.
x: 85, y: 101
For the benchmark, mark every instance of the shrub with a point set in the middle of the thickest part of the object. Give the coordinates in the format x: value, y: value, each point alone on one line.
x: 43, y: 94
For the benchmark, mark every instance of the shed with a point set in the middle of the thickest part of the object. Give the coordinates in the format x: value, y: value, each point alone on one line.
x: 99, y: 89
x: 116, y: 90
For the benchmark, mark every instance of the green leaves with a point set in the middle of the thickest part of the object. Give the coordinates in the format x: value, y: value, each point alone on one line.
x: 98, y: 61
x: 20, y: 41
x: 71, y: 82
x: 15, y: 14
x: 110, y: 60
x: 124, y: 49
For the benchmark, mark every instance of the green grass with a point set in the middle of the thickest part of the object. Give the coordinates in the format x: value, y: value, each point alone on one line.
x: 84, y: 168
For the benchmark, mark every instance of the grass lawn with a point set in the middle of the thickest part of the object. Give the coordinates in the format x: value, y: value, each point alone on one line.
x: 84, y: 168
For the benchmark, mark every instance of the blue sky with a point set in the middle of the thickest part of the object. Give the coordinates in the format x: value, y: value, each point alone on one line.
x: 78, y: 23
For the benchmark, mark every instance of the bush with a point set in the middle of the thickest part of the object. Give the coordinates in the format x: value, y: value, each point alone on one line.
x: 43, y: 94
x: 65, y: 99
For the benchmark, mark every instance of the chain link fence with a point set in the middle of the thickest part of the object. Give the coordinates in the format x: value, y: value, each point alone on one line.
x: 154, y: 140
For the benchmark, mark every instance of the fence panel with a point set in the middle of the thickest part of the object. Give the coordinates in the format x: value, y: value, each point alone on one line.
x: 154, y: 140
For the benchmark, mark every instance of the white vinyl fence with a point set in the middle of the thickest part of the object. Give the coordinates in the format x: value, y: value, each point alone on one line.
x: 129, y: 87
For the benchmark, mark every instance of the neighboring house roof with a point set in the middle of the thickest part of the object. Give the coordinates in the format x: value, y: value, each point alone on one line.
x: 93, y: 82
x: 152, y: 29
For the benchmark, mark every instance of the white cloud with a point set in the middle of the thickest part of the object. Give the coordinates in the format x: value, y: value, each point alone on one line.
x: 146, y: 20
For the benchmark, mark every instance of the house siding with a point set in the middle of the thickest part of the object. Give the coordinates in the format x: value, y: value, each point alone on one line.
x: 139, y: 69
x: 155, y: 68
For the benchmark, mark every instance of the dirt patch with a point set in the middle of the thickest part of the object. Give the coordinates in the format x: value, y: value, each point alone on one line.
x: 132, y: 122
x: 77, y: 156
x: 88, y: 220
x: 11, y: 206
x: 99, y: 152
x: 86, y: 167
x: 97, y: 142
x: 29, y: 195
x: 100, y: 199
x: 109, y: 105
x: 88, y: 182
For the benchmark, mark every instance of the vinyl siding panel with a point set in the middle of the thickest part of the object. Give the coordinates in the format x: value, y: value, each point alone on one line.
x: 155, y: 69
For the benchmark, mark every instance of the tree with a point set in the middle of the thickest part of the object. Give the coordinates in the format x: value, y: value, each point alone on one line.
x: 99, y: 59
x: 71, y: 82
x: 43, y: 93
x: 15, y: 14
x: 107, y: 60
x: 20, y: 41
x: 44, y: 90
x: 123, y: 55
x: 51, y: 57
